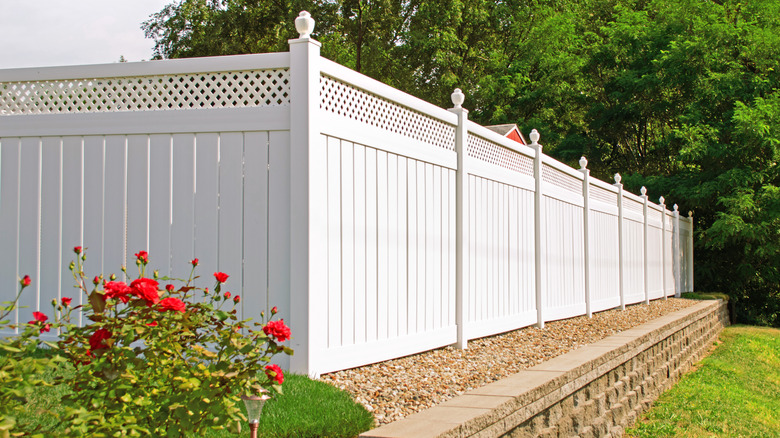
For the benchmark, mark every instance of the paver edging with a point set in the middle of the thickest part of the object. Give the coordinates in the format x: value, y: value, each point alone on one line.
x: 621, y: 375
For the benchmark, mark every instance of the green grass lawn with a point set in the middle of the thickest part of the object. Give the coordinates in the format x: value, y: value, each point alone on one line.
x: 308, y: 408
x: 734, y: 392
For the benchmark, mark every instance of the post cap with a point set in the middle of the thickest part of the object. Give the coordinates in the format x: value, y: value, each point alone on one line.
x: 304, y: 24
x: 618, y: 178
x: 458, y: 98
x: 690, y: 213
x: 534, y: 136
x: 643, y: 191
x: 583, y: 163
x: 661, y: 200
x: 675, y: 207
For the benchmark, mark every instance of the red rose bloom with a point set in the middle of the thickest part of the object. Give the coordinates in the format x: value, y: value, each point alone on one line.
x: 278, y: 330
x: 97, y: 340
x: 274, y: 310
x: 236, y: 299
x: 77, y: 249
x: 194, y: 262
x: 142, y: 257
x: 40, y: 319
x: 25, y: 281
x: 146, y: 289
x: 227, y: 295
x: 169, y: 287
x: 171, y: 304
x: 221, y: 277
x: 66, y: 301
x: 117, y: 289
x: 274, y: 373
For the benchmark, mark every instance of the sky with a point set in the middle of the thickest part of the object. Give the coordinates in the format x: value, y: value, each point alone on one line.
x: 37, y: 33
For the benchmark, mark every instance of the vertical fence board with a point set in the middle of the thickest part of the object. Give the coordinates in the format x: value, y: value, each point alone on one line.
x: 94, y: 207
x: 422, y: 237
x: 402, y: 250
x: 347, y: 244
x: 137, y: 199
x: 115, y: 205
x: 392, y: 246
x: 412, y: 261
x: 382, y: 242
x: 435, y: 249
x: 230, y: 220
x: 10, y: 168
x: 279, y: 269
x: 206, y: 208
x: 359, y: 183
x: 160, y: 179
x: 29, y: 225
x: 372, y: 249
x: 255, y: 226
x: 73, y: 206
x: 183, y: 207
x: 51, y: 216
x: 334, y: 243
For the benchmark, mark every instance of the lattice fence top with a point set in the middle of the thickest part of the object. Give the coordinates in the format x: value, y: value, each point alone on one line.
x: 555, y: 177
x: 488, y: 151
x: 251, y: 88
x: 353, y: 103
x: 633, y: 205
x: 603, y: 195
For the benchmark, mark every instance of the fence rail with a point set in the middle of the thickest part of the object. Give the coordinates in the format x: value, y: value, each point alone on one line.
x: 381, y: 225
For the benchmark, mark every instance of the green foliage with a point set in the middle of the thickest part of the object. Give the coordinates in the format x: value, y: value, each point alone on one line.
x: 19, y: 369
x: 705, y: 296
x: 732, y: 393
x: 153, y: 360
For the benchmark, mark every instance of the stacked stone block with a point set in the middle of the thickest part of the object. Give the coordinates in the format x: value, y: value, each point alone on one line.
x: 614, y: 400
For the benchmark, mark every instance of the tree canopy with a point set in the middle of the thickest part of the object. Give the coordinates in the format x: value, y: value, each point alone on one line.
x: 679, y: 95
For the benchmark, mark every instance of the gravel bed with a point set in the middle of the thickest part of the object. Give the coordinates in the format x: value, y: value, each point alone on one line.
x: 400, y: 387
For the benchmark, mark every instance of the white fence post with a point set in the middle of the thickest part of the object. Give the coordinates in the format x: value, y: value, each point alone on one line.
x: 461, y: 228
x: 586, y: 232
x: 661, y: 201
x: 643, y: 191
x: 538, y: 218
x: 676, y: 248
x: 690, y: 254
x: 621, y: 262
x: 308, y: 212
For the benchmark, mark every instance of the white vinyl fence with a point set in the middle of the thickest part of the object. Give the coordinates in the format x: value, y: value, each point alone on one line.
x: 379, y: 224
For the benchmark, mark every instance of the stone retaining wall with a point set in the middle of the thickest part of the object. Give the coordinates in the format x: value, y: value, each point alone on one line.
x: 594, y: 391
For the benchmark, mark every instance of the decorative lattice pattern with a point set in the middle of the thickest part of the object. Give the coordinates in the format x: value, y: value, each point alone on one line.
x: 555, y: 177
x: 350, y: 102
x: 632, y: 205
x: 603, y: 195
x: 493, y: 153
x: 253, y: 88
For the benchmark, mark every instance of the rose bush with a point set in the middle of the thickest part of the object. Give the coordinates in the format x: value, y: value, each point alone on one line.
x: 154, y: 360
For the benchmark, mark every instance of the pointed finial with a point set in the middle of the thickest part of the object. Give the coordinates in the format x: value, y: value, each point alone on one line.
x: 690, y: 213
x: 643, y: 191
x: 304, y: 24
x: 675, y: 207
x: 661, y: 200
x: 534, y: 136
x: 618, y: 178
x: 583, y: 163
x: 457, y: 97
